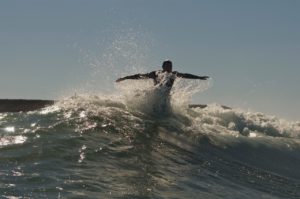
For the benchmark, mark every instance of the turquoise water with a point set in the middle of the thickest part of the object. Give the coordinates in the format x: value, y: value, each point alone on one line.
x: 109, y: 147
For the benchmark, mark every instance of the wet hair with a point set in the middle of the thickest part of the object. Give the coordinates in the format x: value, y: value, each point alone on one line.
x: 166, y: 63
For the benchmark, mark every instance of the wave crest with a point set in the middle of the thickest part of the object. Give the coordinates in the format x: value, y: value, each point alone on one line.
x: 215, y: 119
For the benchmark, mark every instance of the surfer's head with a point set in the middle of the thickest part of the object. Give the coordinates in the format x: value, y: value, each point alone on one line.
x: 167, y: 66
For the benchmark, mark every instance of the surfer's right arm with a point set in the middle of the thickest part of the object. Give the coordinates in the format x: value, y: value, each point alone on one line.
x: 190, y: 76
x: 138, y: 76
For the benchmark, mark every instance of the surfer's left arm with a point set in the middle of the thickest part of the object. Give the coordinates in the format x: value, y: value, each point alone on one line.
x: 136, y: 76
x: 191, y: 76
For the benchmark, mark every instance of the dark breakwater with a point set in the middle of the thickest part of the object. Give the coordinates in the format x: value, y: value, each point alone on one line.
x: 17, y: 105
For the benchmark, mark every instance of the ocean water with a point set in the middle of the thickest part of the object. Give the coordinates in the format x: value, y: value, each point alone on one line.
x: 126, y: 146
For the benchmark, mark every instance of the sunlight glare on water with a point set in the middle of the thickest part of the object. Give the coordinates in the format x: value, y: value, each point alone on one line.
x: 10, y: 129
x: 11, y: 140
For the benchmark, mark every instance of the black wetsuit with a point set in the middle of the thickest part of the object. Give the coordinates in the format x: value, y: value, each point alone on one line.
x: 163, y: 78
x: 163, y: 82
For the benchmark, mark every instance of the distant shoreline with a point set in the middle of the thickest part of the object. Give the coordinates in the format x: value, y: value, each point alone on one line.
x: 24, y: 105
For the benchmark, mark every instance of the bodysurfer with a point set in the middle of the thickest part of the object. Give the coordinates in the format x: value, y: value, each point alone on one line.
x: 163, y: 78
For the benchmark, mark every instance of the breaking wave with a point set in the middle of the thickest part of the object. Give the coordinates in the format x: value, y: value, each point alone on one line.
x: 124, y: 146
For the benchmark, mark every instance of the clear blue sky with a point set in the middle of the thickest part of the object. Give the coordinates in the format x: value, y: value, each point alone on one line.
x: 251, y: 48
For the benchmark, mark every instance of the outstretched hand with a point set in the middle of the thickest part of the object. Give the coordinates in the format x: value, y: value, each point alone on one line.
x: 120, y: 79
x: 204, y: 77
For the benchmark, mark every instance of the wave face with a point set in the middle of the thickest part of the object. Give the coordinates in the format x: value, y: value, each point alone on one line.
x: 125, y: 147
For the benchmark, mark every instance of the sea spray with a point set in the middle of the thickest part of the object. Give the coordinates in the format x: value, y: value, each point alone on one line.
x: 127, y: 52
x: 184, y: 89
x: 142, y: 95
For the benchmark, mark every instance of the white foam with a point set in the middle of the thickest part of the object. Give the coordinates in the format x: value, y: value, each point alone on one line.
x: 10, y: 140
x: 142, y: 95
x: 216, y: 119
x: 10, y: 129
